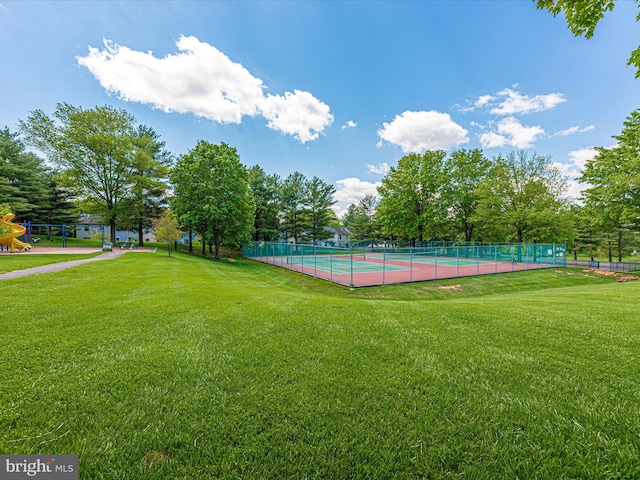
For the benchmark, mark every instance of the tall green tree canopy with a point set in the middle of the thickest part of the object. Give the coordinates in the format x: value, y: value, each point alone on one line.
x: 411, y: 205
x: 148, y: 198
x: 583, y: 16
x: 212, y: 195
x: 29, y: 187
x: 293, y: 211
x: 466, y: 169
x: 266, y: 192
x: 319, y: 199
x: 95, y: 151
x: 362, y: 220
x: 613, y: 176
x: 521, y: 200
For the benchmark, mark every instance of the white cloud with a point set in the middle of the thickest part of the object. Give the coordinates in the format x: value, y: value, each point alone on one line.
x: 492, y: 140
x: 579, y: 158
x: 572, y: 130
x: 483, y: 100
x: 419, y: 131
x: 382, y: 168
x: 573, y: 170
x: 511, y: 132
x: 513, y: 102
x: 299, y: 114
x: 352, y: 190
x: 204, y: 81
x: 349, y: 124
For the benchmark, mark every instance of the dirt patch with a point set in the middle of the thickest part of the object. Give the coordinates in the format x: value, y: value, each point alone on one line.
x: 620, y: 277
x: 457, y: 288
x: 153, y: 459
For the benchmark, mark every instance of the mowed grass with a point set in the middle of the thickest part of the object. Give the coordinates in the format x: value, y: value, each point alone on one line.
x: 9, y: 262
x: 154, y: 367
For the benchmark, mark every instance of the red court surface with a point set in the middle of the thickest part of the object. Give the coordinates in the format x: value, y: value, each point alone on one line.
x: 397, y: 271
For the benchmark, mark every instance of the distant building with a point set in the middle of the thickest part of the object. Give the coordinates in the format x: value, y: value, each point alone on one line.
x: 340, y: 236
x: 89, y: 225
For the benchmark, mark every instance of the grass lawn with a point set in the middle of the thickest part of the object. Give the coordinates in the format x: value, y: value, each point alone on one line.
x: 10, y: 262
x: 154, y: 367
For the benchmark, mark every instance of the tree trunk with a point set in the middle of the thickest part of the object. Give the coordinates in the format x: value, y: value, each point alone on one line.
x: 204, y: 247
x: 620, y: 245
x: 190, y: 241
x: 468, y: 233
x: 216, y: 240
x: 140, y: 234
x: 112, y: 228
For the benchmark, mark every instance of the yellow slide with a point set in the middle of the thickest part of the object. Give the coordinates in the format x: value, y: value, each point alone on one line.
x: 9, y: 233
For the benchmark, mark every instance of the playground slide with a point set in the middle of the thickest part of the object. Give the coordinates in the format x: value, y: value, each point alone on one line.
x: 10, y: 239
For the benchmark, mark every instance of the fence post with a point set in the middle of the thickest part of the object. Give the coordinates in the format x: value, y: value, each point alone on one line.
x: 411, y: 265
x: 330, y: 264
x: 384, y: 262
x: 436, y: 263
x: 351, y: 269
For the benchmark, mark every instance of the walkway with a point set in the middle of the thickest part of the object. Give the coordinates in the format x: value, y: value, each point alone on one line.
x: 56, y: 267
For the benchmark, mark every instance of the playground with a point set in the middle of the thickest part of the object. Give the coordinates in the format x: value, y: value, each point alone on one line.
x: 11, y: 232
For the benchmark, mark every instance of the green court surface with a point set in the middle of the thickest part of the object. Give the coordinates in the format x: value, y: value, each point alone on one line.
x: 341, y: 264
x: 428, y: 259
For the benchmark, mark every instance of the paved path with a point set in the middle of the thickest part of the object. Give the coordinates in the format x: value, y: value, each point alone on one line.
x: 56, y: 267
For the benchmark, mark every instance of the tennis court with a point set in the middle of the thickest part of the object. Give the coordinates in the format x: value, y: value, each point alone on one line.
x: 382, y: 266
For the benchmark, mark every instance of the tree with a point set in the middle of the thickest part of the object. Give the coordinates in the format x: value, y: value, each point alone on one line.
x: 411, y: 204
x: 95, y: 151
x: 24, y: 181
x: 166, y: 229
x: 465, y: 170
x: 613, y: 197
x: 582, y: 17
x: 350, y: 216
x: 212, y: 195
x: 151, y: 164
x: 363, y: 222
x: 292, y: 207
x: 266, y: 193
x: 318, y: 202
x: 521, y: 200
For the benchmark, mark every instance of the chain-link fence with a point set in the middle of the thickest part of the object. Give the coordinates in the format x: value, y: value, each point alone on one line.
x: 362, y: 266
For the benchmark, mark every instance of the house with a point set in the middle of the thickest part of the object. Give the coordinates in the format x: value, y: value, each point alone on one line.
x: 89, y: 225
x: 340, y: 236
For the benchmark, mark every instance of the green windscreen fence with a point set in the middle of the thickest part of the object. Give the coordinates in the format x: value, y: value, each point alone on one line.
x: 368, y: 266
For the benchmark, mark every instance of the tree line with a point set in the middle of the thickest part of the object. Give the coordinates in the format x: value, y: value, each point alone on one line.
x: 101, y: 161
x: 466, y: 197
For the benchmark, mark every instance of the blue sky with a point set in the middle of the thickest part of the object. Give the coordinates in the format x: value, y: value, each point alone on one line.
x: 337, y: 89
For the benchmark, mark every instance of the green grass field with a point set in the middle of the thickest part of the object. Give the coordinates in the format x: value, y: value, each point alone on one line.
x: 154, y: 367
x: 9, y: 262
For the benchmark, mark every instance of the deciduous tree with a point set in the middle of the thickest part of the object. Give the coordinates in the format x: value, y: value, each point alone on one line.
x: 95, y: 151
x: 266, y: 192
x: 411, y: 197
x: 521, y: 200
x: 212, y: 195
x: 465, y: 171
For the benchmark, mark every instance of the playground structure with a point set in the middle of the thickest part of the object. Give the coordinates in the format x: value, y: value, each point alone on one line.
x: 10, y: 232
